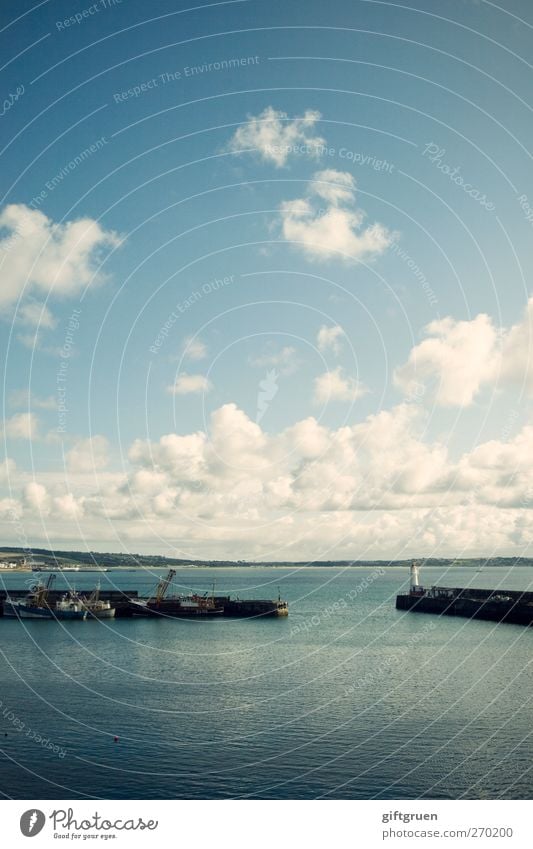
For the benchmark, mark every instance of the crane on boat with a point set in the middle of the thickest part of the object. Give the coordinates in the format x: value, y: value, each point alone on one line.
x: 39, y: 592
x: 163, y: 586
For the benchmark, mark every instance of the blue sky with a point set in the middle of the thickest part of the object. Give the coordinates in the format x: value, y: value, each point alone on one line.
x: 288, y: 249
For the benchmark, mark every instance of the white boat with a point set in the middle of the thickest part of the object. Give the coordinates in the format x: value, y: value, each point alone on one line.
x: 96, y: 607
x: 100, y: 609
x: 21, y: 610
x: 69, y: 608
x: 35, y: 605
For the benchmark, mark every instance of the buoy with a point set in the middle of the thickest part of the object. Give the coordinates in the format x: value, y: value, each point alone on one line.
x: 115, y: 739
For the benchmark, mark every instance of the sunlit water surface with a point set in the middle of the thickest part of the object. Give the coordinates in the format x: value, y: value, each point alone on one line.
x: 346, y: 698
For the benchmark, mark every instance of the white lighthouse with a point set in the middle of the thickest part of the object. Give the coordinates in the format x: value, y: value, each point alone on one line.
x: 415, y: 577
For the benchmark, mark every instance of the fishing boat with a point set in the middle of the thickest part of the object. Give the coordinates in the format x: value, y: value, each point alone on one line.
x: 179, y: 605
x: 35, y: 605
x: 69, y: 608
x: 190, y: 605
x: 96, y: 607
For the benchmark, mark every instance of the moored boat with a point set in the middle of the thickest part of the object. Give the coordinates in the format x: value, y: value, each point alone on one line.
x: 96, y: 607
x: 21, y: 610
x: 192, y: 605
x: 69, y: 608
x: 178, y: 605
x: 35, y: 605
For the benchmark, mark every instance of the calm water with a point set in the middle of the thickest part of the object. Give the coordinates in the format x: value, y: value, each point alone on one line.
x: 346, y: 698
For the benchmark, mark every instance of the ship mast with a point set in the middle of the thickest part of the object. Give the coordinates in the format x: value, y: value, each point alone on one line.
x: 95, y: 595
x: 40, y: 592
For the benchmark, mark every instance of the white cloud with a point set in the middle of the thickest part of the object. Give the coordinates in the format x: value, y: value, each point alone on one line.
x: 88, y: 455
x: 7, y: 469
x: 194, y: 348
x: 329, y: 338
x: 10, y: 511
x: 516, y: 363
x: 23, y: 398
x: 335, y: 187
x: 458, y: 359
x: 275, y: 137
x: 36, y: 315
x: 308, y: 439
x: 147, y: 482
x: 37, y: 498
x: 22, y: 426
x: 68, y: 506
x: 38, y: 255
x: 181, y: 456
x: 189, y: 384
x: 454, y: 362
x: 238, y: 446
x: 336, y: 230
x: 30, y: 340
x: 335, y: 386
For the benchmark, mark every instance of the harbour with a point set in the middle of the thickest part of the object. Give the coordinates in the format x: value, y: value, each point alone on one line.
x: 44, y: 602
x: 320, y: 702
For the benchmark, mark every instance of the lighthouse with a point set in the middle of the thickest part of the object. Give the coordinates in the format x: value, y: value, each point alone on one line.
x: 415, y: 577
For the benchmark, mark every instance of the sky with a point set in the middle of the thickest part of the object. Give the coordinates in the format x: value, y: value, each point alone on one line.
x: 265, y: 278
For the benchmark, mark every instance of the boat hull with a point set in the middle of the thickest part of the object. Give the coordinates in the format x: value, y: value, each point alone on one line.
x: 174, y: 609
x: 18, y: 610
x: 101, y: 614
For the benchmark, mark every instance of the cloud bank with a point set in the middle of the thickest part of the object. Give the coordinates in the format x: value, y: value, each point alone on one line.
x: 377, y: 488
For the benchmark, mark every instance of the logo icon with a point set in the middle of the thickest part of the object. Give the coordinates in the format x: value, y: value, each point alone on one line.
x: 32, y: 822
x: 268, y: 388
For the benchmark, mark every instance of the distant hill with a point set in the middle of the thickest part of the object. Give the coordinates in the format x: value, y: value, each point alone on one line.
x: 111, y: 559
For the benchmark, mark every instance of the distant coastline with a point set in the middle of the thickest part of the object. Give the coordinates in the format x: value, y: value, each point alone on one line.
x: 56, y: 559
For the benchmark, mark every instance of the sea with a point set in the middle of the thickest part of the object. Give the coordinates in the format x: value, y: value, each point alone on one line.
x: 346, y: 698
